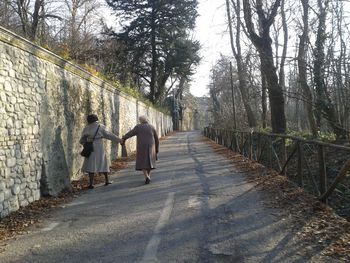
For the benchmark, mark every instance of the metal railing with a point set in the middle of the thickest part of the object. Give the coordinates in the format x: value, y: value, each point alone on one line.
x: 321, y: 168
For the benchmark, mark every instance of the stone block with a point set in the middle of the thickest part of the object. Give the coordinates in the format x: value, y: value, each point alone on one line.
x: 18, y: 181
x: 35, y: 129
x: 10, y: 108
x: 15, y: 189
x: 12, y: 73
x: 10, y: 182
x: 2, y: 197
x: 7, y: 193
x: 3, y: 97
x: 4, y: 213
x: 28, y: 193
x: 20, y: 89
x: 27, y: 90
x: 7, y: 86
x: 18, y: 154
x: 37, y: 195
x: 30, y: 120
x: 14, y: 205
x: 21, y: 197
x: 23, y: 203
x: 12, y: 100
x: 18, y: 124
x: 11, y: 162
x: 26, y: 169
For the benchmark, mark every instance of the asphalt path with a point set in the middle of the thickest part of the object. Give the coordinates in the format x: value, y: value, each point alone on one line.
x: 197, y: 208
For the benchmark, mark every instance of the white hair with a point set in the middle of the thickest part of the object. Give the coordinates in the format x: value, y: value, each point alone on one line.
x: 143, y: 119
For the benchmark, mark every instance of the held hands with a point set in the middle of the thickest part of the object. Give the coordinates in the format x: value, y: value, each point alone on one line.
x: 122, y: 142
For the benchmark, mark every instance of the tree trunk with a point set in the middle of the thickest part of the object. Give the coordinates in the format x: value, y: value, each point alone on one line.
x: 37, y: 6
x: 285, y: 46
x: 324, y: 105
x: 263, y: 44
x: 241, y: 69
x: 302, y: 68
x: 263, y: 98
x: 278, y: 120
x: 23, y: 14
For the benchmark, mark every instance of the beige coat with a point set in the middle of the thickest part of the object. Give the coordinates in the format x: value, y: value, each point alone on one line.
x: 97, y: 162
x: 147, y: 145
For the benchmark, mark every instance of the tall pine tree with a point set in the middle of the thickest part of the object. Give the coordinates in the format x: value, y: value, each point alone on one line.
x: 151, y: 30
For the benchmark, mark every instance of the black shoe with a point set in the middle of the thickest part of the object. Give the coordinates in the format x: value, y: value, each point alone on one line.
x: 108, y: 183
x: 147, y: 181
x: 91, y: 187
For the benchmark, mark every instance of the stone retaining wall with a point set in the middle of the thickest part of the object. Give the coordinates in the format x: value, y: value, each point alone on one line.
x: 44, y: 101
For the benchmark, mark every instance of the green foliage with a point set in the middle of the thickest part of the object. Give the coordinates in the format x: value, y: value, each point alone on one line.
x: 156, y: 41
x: 322, y: 136
x: 301, y: 134
x: 266, y: 130
x: 327, y: 136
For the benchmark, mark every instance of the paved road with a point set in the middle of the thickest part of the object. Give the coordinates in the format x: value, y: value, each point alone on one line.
x: 198, y: 208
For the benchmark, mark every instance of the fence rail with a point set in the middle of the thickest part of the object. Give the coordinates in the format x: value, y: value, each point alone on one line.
x: 322, y: 168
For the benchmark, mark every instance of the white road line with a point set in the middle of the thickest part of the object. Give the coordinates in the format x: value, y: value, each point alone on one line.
x: 76, y: 203
x: 150, y: 254
x: 50, y: 227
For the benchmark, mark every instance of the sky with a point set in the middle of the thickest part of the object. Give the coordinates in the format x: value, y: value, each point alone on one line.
x: 211, y: 31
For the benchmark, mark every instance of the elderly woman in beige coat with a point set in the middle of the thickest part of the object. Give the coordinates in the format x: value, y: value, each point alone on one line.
x: 97, y: 162
x: 147, y: 147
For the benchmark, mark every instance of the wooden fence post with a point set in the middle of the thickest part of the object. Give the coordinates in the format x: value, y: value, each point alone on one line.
x: 342, y: 174
x: 284, y: 154
x: 250, y: 146
x: 258, y: 146
x: 300, y: 164
x: 270, y: 152
x: 322, y: 170
x: 236, y: 143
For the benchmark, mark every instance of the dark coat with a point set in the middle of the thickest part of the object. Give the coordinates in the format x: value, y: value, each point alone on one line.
x: 147, y: 145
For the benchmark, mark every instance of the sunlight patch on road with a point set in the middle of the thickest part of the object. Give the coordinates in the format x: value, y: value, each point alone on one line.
x: 196, y: 202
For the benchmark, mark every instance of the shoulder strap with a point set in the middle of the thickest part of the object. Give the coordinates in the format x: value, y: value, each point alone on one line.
x: 96, y: 132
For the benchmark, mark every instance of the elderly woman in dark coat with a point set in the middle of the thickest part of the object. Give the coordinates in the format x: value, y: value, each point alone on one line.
x: 147, y: 147
x: 97, y: 162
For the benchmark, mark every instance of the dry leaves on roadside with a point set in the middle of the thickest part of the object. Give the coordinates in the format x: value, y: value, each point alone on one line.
x: 20, y: 221
x: 315, y: 223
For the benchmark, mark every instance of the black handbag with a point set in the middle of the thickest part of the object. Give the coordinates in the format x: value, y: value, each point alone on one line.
x: 88, y: 147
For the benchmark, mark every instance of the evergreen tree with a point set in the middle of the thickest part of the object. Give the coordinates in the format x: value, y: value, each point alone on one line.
x: 150, y: 31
